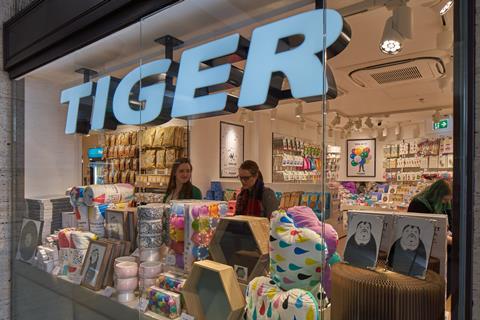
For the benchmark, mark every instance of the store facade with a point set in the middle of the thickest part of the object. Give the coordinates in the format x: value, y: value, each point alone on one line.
x: 226, y: 116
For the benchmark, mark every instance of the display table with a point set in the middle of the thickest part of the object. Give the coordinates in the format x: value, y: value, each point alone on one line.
x: 98, y: 306
x: 365, y: 294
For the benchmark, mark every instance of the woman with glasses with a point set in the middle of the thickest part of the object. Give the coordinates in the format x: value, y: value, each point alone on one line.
x: 179, y: 186
x: 255, y: 199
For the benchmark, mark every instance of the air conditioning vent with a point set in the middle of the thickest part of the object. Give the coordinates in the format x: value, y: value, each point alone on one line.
x: 403, y: 74
x: 404, y: 71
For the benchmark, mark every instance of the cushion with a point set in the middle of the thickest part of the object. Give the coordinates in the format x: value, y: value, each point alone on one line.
x: 295, y: 253
x: 265, y: 300
x: 305, y: 217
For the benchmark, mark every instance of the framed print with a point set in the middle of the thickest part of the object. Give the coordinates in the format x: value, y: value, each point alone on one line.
x: 115, y: 224
x: 95, y: 264
x: 364, y: 237
x: 362, y: 157
x: 410, y: 252
x: 30, y: 238
x: 231, y: 149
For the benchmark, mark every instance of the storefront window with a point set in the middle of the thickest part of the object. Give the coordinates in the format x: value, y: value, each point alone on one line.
x: 268, y: 160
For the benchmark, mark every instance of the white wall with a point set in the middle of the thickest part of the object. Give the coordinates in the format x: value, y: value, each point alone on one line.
x: 205, y: 147
x: 52, y: 158
x: 410, y: 131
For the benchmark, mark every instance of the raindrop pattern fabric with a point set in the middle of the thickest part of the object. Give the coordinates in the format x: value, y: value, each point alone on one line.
x: 265, y: 300
x: 296, y: 254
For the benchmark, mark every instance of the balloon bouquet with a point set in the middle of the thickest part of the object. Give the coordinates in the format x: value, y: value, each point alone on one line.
x: 360, y: 156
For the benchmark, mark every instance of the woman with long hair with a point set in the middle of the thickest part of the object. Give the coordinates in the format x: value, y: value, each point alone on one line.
x: 180, y: 185
x: 434, y: 199
x: 255, y: 199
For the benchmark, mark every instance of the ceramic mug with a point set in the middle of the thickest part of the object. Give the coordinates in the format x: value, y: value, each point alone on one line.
x: 125, y: 259
x: 150, y: 269
x: 125, y: 270
x: 126, y: 284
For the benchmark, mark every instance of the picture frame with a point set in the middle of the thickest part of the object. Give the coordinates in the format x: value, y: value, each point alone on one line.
x: 232, y: 149
x: 409, y: 254
x: 361, y: 160
x: 115, y: 224
x: 95, y: 264
x: 364, y: 239
x: 30, y: 238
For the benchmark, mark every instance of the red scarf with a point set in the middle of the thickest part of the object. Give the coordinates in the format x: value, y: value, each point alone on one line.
x: 249, y: 201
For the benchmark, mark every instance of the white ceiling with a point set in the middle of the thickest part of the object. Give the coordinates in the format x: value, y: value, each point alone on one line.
x: 196, y: 22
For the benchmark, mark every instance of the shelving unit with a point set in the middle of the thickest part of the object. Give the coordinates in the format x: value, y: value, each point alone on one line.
x: 295, y: 160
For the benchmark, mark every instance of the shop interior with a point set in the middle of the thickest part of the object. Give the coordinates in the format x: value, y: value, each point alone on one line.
x: 387, y: 136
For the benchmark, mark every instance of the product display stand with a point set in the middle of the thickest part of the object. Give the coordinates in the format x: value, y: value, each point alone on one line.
x: 212, y: 292
x: 364, y: 294
x: 242, y: 242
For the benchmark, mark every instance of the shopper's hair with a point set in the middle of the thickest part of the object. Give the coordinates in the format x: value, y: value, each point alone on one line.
x: 252, y: 167
x: 187, y: 188
x: 435, y: 193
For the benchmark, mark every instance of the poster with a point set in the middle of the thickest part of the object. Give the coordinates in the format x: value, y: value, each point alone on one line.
x: 231, y: 149
x: 410, y: 252
x: 364, y: 237
x: 361, y: 158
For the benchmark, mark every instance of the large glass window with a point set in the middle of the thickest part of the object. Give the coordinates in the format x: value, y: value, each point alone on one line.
x: 231, y: 151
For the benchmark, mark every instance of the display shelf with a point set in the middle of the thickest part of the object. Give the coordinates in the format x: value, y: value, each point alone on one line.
x: 242, y: 242
x: 151, y: 186
x: 213, y: 292
x: 97, y: 303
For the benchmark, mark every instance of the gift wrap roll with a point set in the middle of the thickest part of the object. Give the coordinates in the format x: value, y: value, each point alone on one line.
x: 96, y: 219
x: 153, y: 229
x: 364, y: 294
x: 76, y: 195
x: 81, y: 211
x: 108, y: 193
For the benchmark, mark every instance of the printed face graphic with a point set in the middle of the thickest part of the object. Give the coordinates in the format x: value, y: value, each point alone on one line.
x: 410, y: 238
x: 363, y: 233
x: 94, y: 256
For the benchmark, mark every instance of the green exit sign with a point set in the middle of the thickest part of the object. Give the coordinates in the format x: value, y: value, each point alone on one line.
x: 442, y: 124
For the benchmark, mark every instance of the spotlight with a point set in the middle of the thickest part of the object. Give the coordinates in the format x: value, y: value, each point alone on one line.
x: 336, y: 120
x: 391, y: 39
x: 358, y: 123
x: 299, y: 110
x: 436, y: 116
x: 273, y: 114
x: 397, y: 28
x: 243, y: 116
x: 251, y: 119
x: 368, y: 122
x: 448, y: 5
x: 348, y: 125
x: 397, y: 130
x: 384, y: 132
